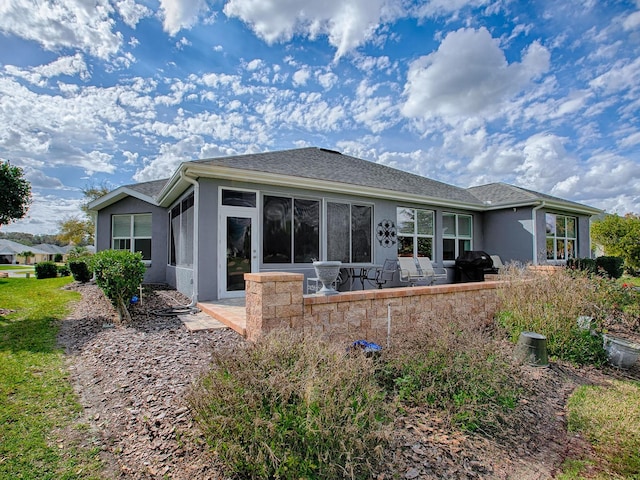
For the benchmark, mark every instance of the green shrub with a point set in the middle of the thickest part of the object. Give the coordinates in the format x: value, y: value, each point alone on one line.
x: 584, y: 264
x: 119, y: 273
x: 292, y: 407
x: 80, y: 270
x: 613, y: 266
x: 46, y: 270
x: 63, y: 270
x: 551, y: 304
x: 454, y: 366
x: 57, y: 258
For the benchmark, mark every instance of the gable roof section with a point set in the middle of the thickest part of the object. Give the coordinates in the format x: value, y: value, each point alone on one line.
x: 145, y: 191
x: 9, y: 247
x: 322, y: 170
x: 497, y: 196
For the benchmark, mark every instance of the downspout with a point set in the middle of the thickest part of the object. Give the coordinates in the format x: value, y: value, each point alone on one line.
x: 196, y: 223
x: 535, y: 231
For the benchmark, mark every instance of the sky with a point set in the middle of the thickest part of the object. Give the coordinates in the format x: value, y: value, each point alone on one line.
x: 544, y: 94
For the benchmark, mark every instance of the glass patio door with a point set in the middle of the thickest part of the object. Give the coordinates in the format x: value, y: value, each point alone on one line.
x: 238, y: 252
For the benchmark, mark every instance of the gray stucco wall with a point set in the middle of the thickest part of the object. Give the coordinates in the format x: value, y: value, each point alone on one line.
x: 509, y: 234
x: 156, y: 272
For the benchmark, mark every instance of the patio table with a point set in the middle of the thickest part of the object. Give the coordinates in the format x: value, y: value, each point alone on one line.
x: 358, y: 272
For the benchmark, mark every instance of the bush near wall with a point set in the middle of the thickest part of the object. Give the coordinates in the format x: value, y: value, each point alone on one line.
x: 46, y: 270
x: 80, y: 270
x: 612, y: 266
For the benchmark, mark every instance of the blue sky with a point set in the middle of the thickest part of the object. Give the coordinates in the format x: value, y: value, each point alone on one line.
x: 544, y: 95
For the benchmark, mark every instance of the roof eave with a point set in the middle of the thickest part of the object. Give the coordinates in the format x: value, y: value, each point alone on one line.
x: 117, y: 195
x: 177, y: 185
x: 564, y: 206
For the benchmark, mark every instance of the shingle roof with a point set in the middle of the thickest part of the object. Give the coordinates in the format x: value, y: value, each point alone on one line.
x: 9, y: 247
x: 150, y: 189
x: 321, y: 164
x: 497, y: 194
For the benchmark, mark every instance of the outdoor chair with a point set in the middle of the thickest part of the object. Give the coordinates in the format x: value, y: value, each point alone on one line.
x: 386, y: 273
x: 426, y: 267
x: 497, y: 263
x: 411, y: 274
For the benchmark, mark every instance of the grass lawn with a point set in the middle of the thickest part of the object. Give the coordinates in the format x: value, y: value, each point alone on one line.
x: 36, y: 399
x: 16, y: 267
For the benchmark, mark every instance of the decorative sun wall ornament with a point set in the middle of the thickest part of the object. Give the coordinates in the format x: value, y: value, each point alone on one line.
x: 386, y: 233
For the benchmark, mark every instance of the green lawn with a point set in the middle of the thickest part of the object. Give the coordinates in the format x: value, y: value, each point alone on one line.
x: 16, y: 267
x: 36, y: 398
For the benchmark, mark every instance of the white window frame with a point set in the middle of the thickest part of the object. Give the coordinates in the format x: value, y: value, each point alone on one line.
x: 456, y: 236
x: 415, y: 235
x: 565, y: 238
x: 131, y: 237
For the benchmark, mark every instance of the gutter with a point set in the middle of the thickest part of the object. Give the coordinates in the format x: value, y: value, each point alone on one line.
x: 534, y: 211
x: 196, y: 223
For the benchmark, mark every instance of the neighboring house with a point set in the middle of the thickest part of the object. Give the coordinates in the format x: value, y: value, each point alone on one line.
x: 10, y: 253
x: 214, y: 220
x: 54, y: 250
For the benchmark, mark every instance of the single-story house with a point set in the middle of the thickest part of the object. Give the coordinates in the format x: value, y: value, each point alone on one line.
x: 213, y: 220
x: 11, y: 253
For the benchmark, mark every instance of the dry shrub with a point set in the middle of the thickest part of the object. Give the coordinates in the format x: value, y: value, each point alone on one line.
x: 550, y: 304
x: 454, y: 365
x: 294, y: 407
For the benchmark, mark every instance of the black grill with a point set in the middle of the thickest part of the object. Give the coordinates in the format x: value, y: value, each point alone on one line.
x: 472, y: 265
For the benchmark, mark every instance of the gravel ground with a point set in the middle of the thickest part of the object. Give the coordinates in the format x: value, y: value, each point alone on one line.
x: 132, y: 381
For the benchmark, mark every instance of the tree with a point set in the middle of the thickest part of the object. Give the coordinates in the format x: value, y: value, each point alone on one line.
x: 74, y: 229
x: 27, y: 254
x: 620, y: 237
x: 15, y: 193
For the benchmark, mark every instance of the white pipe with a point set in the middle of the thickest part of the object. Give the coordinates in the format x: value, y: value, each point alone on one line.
x: 535, y: 231
x: 388, y: 325
x: 196, y: 223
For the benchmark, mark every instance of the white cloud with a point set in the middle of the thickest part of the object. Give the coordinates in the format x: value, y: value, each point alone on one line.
x: 347, y: 25
x: 86, y: 25
x: 433, y: 8
x: 44, y: 214
x: 621, y: 76
x: 632, y: 21
x: 301, y: 76
x: 131, y: 12
x: 327, y: 80
x: 179, y: 14
x: 468, y: 76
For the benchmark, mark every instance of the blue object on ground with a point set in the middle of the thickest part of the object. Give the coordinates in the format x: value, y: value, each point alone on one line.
x: 367, y: 347
x: 134, y: 299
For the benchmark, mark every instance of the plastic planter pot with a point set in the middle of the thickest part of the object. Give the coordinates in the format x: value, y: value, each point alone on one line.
x: 620, y: 352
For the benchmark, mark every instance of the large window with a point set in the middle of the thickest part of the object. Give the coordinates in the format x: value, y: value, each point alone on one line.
x: 415, y: 232
x: 181, y: 237
x: 457, y: 235
x: 349, y: 231
x: 291, y: 230
x: 562, y: 237
x: 133, y: 233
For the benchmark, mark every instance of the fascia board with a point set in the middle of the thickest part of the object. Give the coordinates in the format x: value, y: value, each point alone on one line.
x: 253, y: 176
x: 565, y: 207
x: 117, y: 195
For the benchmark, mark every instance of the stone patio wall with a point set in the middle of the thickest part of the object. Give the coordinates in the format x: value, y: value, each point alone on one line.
x: 276, y: 300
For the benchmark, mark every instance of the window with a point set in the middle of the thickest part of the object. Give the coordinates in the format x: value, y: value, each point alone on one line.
x: 133, y: 233
x: 457, y: 235
x: 291, y: 230
x: 415, y: 232
x: 562, y: 237
x: 349, y: 231
x: 181, y: 236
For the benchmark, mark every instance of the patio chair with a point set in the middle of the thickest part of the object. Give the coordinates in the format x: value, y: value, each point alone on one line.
x: 386, y: 273
x: 425, y: 265
x: 410, y: 273
x: 497, y: 263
